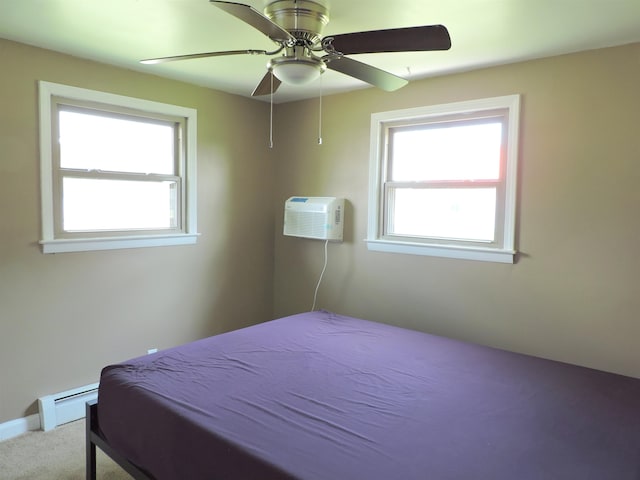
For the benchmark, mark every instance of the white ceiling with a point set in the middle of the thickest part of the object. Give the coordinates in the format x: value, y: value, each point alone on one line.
x: 483, y: 33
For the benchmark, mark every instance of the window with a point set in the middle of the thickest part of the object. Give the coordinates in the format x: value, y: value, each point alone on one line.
x: 443, y: 180
x: 116, y: 172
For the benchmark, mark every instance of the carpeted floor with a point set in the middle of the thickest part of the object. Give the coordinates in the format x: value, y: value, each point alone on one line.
x: 58, y: 454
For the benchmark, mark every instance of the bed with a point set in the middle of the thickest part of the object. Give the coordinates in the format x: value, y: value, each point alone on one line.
x: 321, y: 396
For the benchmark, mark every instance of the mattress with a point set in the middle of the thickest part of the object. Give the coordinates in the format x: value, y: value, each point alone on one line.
x: 328, y: 397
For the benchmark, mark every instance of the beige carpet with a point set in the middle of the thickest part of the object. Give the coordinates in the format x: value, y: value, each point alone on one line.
x: 58, y: 454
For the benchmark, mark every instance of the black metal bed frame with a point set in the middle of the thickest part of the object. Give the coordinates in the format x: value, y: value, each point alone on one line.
x: 95, y: 439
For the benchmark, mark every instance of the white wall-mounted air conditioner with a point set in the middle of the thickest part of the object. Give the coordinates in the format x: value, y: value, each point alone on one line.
x: 314, y: 217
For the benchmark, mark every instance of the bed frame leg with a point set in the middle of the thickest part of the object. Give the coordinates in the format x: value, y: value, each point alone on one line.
x: 90, y: 446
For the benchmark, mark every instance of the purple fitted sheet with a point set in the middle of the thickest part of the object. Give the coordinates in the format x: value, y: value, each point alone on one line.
x: 328, y: 397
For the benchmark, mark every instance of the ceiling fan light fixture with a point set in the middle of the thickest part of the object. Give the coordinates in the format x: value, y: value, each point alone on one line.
x: 297, y: 71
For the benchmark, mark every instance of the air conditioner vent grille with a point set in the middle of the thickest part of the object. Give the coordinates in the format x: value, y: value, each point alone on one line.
x: 314, y: 217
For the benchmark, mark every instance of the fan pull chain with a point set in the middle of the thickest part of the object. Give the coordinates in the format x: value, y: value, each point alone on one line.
x: 271, y: 115
x: 320, y: 115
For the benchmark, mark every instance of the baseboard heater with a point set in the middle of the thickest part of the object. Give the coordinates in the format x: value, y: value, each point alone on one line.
x: 65, y: 407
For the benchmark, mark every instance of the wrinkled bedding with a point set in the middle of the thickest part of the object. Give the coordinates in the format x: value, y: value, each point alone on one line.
x: 328, y: 397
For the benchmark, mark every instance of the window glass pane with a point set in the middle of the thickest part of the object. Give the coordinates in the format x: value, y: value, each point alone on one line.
x: 95, y: 142
x: 465, y: 214
x: 451, y: 152
x: 94, y: 205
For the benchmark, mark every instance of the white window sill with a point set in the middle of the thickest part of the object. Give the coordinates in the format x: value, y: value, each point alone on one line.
x: 112, y: 243
x: 464, y: 253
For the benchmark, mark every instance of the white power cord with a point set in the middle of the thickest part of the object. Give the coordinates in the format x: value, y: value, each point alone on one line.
x: 315, y: 295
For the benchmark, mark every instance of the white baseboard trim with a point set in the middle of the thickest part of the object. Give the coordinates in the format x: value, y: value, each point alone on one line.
x: 14, y: 428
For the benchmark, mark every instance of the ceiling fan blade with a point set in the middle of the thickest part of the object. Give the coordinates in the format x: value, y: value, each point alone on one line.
x: 264, y: 87
x: 250, y: 15
x: 204, y: 55
x: 367, y: 73
x: 411, y: 39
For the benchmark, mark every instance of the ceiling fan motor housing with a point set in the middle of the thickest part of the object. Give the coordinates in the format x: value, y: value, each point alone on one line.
x: 304, y: 19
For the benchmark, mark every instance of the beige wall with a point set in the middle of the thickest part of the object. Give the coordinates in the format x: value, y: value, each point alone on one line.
x: 572, y: 296
x: 63, y: 317
x: 574, y: 293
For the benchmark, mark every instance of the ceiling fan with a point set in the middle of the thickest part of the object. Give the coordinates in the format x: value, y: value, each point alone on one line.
x: 296, y: 27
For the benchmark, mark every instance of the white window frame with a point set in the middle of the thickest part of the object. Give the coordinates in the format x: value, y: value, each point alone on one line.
x: 53, y: 241
x: 503, y: 251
